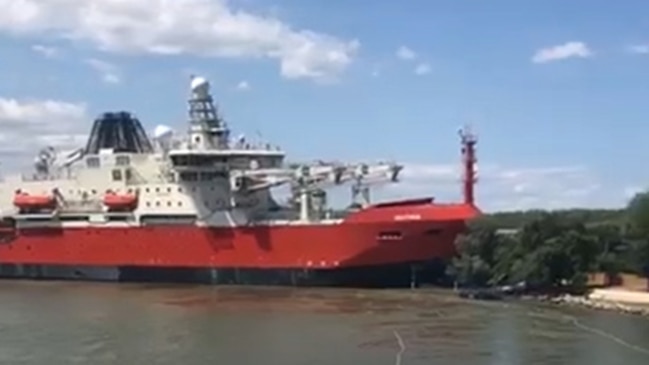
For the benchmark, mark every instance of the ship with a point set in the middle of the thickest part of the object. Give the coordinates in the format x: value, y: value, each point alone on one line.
x: 202, y: 207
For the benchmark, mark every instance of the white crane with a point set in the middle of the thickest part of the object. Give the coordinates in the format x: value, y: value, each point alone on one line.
x: 312, y: 179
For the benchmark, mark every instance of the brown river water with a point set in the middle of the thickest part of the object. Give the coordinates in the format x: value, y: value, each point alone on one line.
x: 96, y: 323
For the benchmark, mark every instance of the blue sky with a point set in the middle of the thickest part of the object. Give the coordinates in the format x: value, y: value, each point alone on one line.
x: 326, y: 79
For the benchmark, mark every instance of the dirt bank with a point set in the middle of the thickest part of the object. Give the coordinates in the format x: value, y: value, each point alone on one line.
x: 620, y: 300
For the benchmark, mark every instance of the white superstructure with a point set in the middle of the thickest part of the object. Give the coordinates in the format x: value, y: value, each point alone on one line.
x: 205, y: 177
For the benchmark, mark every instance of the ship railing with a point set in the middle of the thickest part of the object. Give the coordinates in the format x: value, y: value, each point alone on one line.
x: 35, y: 216
x: 295, y: 222
x: 82, y: 206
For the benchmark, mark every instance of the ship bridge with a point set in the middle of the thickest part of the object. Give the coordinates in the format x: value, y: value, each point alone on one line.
x: 209, y: 154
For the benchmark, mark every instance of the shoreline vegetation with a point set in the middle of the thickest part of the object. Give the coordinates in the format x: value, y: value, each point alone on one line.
x: 554, y: 256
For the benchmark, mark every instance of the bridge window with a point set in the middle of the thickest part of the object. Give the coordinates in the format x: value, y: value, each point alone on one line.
x: 208, y: 176
x: 188, y: 176
x: 197, y: 160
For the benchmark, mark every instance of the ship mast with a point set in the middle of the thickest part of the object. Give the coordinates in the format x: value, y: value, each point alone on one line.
x: 469, y: 178
x: 206, y: 129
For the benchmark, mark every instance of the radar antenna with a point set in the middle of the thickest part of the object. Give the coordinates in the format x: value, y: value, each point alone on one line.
x: 207, y: 129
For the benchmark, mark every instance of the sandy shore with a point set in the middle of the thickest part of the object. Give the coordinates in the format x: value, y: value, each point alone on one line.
x: 621, y: 300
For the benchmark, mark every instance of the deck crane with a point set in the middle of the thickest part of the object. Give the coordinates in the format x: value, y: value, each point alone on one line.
x: 364, y: 176
x: 310, y: 182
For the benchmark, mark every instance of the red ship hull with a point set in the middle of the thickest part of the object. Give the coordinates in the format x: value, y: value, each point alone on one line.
x: 386, y: 239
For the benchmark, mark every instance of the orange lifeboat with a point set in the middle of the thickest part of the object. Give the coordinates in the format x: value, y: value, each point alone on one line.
x: 27, y: 201
x: 120, y: 202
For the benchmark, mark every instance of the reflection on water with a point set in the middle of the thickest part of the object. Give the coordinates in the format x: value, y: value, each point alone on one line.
x: 80, y: 323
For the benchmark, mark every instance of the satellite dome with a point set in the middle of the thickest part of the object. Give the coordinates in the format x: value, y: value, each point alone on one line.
x: 200, y: 85
x: 162, y: 131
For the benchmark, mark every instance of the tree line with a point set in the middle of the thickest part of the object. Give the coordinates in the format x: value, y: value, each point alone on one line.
x: 554, y: 250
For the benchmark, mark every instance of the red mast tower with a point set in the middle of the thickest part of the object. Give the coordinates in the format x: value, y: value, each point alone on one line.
x: 469, y: 175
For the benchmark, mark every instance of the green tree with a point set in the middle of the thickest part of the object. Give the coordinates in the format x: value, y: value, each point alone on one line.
x: 638, y: 232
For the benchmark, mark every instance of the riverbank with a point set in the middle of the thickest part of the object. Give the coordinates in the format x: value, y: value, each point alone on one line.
x: 619, y: 300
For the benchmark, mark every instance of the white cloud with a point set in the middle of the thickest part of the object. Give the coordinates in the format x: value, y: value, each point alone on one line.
x: 406, y: 54
x: 109, y: 72
x: 639, y: 49
x: 27, y: 125
x: 46, y: 51
x: 505, y: 188
x: 422, y: 69
x: 243, y: 85
x: 198, y: 27
x: 560, y: 52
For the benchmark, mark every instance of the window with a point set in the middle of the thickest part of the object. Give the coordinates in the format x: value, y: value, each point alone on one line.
x: 92, y: 162
x: 128, y: 174
x: 117, y: 175
x: 122, y: 160
x: 188, y: 176
x: 197, y: 160
x: 389, y: 235
x: 209, y: 176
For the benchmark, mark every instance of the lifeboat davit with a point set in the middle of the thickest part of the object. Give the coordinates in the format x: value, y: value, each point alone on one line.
x: 27, y: 201
x: 120, y: 202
